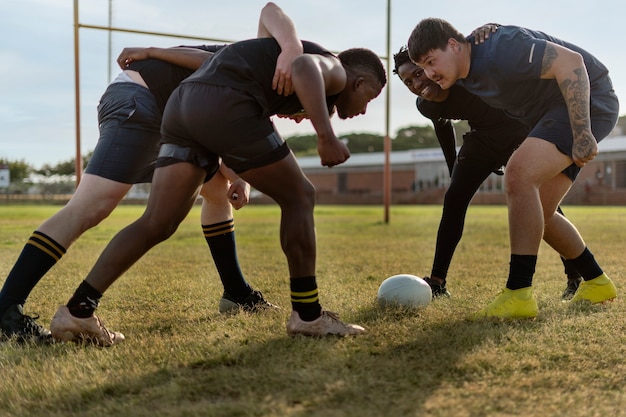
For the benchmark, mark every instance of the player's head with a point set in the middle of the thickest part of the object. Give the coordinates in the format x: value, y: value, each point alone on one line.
x: 414, y: 78
x: 366, y: 78
x: 440, y: 50
x: 431, y: 33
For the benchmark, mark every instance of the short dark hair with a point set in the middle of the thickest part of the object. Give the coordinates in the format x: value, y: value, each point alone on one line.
x: 364, y: 62
x: 401, y: 58
x: 429, y: 34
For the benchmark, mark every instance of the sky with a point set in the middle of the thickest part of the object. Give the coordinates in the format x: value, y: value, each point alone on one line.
x: 37, y: 77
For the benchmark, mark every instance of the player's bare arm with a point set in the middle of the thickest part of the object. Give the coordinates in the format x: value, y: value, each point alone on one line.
x: 568, y: 69
x: 314, y: 77
x: 190, y: 58
x: 274, y: 23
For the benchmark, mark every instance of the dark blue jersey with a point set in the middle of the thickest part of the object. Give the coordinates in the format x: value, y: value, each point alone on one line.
x: 505, y: 72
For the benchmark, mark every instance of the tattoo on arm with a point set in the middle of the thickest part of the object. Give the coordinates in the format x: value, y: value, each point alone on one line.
x: 573, y: 82
x: 549, y: 56
x: 576, y: 94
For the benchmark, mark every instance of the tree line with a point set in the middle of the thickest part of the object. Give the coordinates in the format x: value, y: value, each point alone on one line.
x: 411, y: 137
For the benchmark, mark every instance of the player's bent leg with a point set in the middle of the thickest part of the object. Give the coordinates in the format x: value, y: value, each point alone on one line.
x: 286, y: 184
x: 218, y: 227
x: 531, y: 165
x: 559, y: 232
x: 174, y: 191
x: 93, y: 201
x: 467, y: 176
x: 215, y: 205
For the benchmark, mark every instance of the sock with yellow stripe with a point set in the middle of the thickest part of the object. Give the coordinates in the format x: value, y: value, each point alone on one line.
x: 221, y: 240
x: 304, y: 298
x: 39, y: 254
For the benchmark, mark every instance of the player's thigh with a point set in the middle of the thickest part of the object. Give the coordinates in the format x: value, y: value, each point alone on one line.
x: 535, y: 161
x: 283, y: 181
x: 96, y: 194
x: 174, y: 190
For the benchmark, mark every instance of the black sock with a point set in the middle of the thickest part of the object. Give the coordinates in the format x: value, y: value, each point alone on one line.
x: 570, y: 269
x: 84, y: 301
x: 304, y: 298
x: 586, y: 265
x: 221, y: 240
x: 521, y: 271
x: 38, y: 255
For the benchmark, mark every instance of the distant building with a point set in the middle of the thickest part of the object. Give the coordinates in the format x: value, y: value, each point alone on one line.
x: 421, y: 177
x: 5, y: 176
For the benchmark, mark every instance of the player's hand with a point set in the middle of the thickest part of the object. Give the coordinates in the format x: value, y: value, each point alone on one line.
x: 282, y: 75
x: 584, y: 149
x: 129, y: 55
x: 239, y: 194
x: 482, y: 33
x: 332, y: 152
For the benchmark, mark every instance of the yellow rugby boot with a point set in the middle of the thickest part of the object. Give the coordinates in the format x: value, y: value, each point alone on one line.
x: 597, y: 290
x: 511, y: 304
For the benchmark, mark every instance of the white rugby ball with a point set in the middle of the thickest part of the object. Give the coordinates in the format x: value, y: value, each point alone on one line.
x: 404, y: 290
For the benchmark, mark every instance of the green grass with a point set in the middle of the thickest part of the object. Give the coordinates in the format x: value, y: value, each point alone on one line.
x: 182, y: 358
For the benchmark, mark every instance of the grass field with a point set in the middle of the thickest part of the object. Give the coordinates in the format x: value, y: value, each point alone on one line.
x: 181, y: 358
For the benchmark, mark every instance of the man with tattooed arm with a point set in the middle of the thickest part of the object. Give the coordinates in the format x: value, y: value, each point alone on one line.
x: 565, y: 96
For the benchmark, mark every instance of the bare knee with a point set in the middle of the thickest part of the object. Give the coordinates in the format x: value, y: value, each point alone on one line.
x: 155, y: 230
x: 516, y: 181
x: 304, y: 196
x: 214, y: 191
x: 91, y: 214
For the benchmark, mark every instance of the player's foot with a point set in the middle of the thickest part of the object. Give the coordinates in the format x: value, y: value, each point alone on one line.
x: 327, y: 324
x: 252, y: 303
x: 511, y: 304
x: 597, y: 290
x: 14, y: 324
x: 437, y: 288
x: 67, y: 328
x: 572, y: 286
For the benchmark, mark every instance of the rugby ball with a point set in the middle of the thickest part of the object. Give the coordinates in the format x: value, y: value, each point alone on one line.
x: 404, y: 290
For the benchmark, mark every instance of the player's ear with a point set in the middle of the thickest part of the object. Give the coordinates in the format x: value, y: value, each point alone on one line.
x: 454, y: 45
x: 359, y: 82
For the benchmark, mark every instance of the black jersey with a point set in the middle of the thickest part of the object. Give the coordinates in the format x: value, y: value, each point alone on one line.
x: 249, y: 66
x: 485, y: 121
x: 162, y: 77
